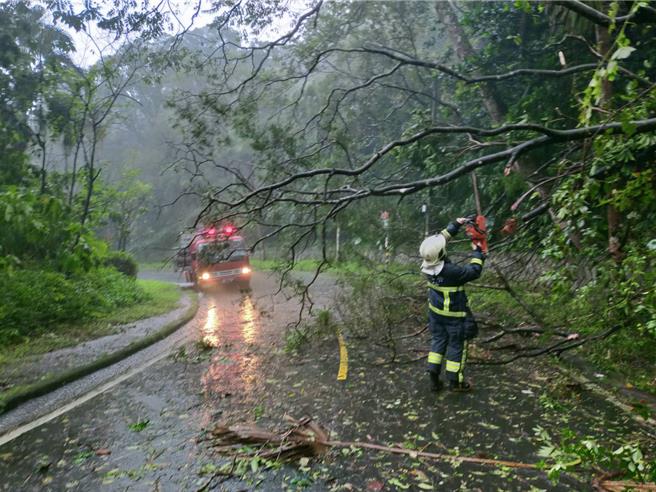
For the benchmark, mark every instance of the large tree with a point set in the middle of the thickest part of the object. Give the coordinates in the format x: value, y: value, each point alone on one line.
x: 362, y: 107
x: 366, y: 100
x: 32, y: 55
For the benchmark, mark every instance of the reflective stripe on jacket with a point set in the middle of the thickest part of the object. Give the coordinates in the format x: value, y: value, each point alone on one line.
x: 446, y: 295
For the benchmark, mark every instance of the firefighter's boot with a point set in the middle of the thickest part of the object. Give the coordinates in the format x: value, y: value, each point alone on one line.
x: 459, y: 386
x: 436, y: 384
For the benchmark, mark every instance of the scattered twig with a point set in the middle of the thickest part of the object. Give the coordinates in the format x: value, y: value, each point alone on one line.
x: 522, y: 331
x: 536, y: 317
x: 226, y: 474
x: 556, y: 348
x: 412, y: 335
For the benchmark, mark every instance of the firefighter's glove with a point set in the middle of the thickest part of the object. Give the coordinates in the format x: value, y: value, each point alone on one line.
x: 479, y: 246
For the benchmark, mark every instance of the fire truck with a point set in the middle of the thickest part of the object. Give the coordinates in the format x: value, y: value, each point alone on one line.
x: 214, y: 255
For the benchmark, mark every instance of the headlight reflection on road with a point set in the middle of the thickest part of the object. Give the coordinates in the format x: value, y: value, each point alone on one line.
x: 211, y: 328
x: 247, y: 312
x: 236, y: 367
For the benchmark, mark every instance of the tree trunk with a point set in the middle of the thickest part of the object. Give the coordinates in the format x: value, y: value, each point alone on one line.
x: 78, y: 143
x: 464, y: 50
x: 42, y: 146
x: 123, y: 236
x: 92, y: 175
x: 613, y: 216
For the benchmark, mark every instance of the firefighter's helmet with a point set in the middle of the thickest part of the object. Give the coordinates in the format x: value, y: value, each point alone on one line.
x: 433, y: 252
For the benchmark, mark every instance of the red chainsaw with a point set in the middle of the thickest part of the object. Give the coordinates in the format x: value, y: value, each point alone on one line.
x: 476, y: 228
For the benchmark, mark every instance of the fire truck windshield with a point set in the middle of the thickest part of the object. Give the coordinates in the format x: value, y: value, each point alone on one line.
x: 220, y: 251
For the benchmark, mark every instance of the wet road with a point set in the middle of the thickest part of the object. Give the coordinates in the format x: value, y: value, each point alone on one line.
x: 140, y: 434
x: 144, y: 432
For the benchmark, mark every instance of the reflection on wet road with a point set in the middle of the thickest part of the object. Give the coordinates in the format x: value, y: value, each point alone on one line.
x: 211, y: 327
x: 247, y: 311
x: 232, y: 324
x: 213, y: 331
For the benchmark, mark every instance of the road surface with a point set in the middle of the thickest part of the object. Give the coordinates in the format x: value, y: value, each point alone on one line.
x: 145, y: 432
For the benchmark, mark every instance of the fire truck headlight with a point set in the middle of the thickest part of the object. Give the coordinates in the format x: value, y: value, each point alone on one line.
x: 205, y: 276
x: 245, y: 270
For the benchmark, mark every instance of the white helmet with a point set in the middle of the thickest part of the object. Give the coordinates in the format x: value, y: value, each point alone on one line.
x: 433, y: 251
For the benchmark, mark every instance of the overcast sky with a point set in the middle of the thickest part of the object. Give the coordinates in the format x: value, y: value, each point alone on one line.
x: 183, y: 14
x: 89, y: 45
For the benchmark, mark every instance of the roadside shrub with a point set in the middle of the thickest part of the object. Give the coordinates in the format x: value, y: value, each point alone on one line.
x: 33, y: 302
x: 123, y: 262
x: 381, y: 307
x: 321, y: 323
x: 381, y: 304
x: 40, y: 230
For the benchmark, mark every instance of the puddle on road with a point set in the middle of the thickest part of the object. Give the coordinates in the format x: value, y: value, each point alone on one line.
x: 212, y: 331
x: 247, y: 310
x: 233, y: 326
x: 211, y: 327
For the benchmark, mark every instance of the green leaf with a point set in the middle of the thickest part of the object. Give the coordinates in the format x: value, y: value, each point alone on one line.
x: 623, y: 53
x: 628, y: 127
x: 399, y: 484
x: 139, y: 426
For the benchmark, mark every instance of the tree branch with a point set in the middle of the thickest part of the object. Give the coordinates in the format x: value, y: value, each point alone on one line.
x: 644, y: 14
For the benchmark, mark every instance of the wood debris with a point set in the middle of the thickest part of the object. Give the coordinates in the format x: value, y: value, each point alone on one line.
x: 307, y: 438
x: 303, y: 438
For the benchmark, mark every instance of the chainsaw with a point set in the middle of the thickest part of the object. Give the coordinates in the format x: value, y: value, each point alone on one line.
x: 476, y: 229
x: 476, y: 225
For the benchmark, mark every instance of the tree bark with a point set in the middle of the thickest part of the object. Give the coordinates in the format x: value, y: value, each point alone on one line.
x: 613, y: 215
x: 78, y: 142
x: 42, y: 146
x: 92, y: 175
x: 464, y: 51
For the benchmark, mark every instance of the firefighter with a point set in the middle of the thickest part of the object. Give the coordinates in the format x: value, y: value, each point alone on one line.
x: 450, y: 320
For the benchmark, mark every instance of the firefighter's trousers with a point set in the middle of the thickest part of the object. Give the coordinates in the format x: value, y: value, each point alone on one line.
x: 448, y: 346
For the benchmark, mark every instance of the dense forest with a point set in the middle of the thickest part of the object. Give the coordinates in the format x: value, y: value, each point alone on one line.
x: 302, y: 124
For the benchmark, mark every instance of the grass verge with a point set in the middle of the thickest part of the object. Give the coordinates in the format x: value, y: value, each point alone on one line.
x: 309, y: 265
x: 19, y: 394
x: 162, y: 297
x: 165, y: 266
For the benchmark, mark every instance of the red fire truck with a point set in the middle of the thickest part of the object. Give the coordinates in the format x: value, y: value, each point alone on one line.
x: 214, y: 255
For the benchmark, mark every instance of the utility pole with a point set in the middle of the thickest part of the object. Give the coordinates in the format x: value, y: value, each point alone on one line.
x: 384, y: 217
x: 424, y: 210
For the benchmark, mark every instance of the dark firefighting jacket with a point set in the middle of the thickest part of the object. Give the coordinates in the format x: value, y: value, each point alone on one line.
x: 446, y: 289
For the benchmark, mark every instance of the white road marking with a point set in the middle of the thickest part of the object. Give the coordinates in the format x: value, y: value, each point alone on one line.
x: 19, y: 431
